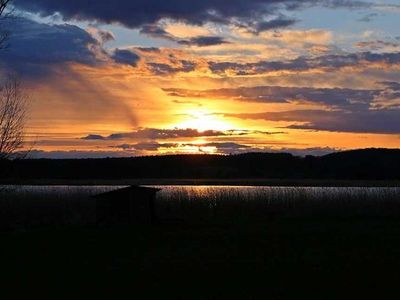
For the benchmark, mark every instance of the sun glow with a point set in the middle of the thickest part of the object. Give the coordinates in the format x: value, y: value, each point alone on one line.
x: 203, y: 121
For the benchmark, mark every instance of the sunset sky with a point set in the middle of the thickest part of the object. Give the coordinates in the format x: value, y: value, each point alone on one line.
x: 143, y: 77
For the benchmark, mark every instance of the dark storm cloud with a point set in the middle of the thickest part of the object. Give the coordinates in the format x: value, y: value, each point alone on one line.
x: 335, y: 97
x: 35, y: 46
x: 136, y: 13
x: 125, y: 56
x: 362, y: 121
x: 302, y: 64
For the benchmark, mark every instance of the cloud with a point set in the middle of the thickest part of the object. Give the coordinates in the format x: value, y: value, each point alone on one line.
x: 125, y: 56
x: 138, y: 13
x: 277, y: 23
x: 148, y: 49
x: 167, y: 61
x: 164, y: 61
x: 391, y: 85
x: 157, y: 31
x: 145, y: 146
x: 226, y: 147
x: 377, y: 45
x: 383, y: 121
x: 130, y: 150
x: 326, y: 63
x: 51, y: 44
x: 35, y: 47
x: 203, y: 41
x: 300, y: 37
x: 350, y: 110
x: 103, y: 36
x: 218, y: 147
x: 187, y: 102
x: 335, y: 97
x: 93, y: 137
x: 166, y: 69
x: 154, y: 134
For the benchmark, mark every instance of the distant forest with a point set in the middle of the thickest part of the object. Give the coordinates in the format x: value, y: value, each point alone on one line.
x: 367, y: 164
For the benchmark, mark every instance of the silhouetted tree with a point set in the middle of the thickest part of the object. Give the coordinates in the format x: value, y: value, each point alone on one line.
x: 12, y: 118
x: 12, y: 105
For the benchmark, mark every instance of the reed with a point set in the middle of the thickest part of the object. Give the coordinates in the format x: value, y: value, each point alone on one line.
x: 236, y: 204
x: 29, y: 206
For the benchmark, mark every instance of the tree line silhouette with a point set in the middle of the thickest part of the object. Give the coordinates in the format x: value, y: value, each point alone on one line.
x: 367, y: 164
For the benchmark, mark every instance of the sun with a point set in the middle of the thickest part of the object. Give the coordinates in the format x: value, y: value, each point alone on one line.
x: 203, y: 121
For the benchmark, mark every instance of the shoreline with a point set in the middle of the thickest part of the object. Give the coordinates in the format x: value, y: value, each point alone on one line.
x: 210, y: 182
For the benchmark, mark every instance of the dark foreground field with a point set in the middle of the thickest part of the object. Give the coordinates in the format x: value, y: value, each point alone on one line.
x: 207, y: 243
x: 325, y: 258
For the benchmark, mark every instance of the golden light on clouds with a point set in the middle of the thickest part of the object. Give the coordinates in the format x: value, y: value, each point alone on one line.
x: 216, y: 85
x: 182, y: 30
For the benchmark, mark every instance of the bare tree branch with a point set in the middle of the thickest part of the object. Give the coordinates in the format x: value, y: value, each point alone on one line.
x: 3, y: 34
x: 3, y: 5
x: 12, y: 118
